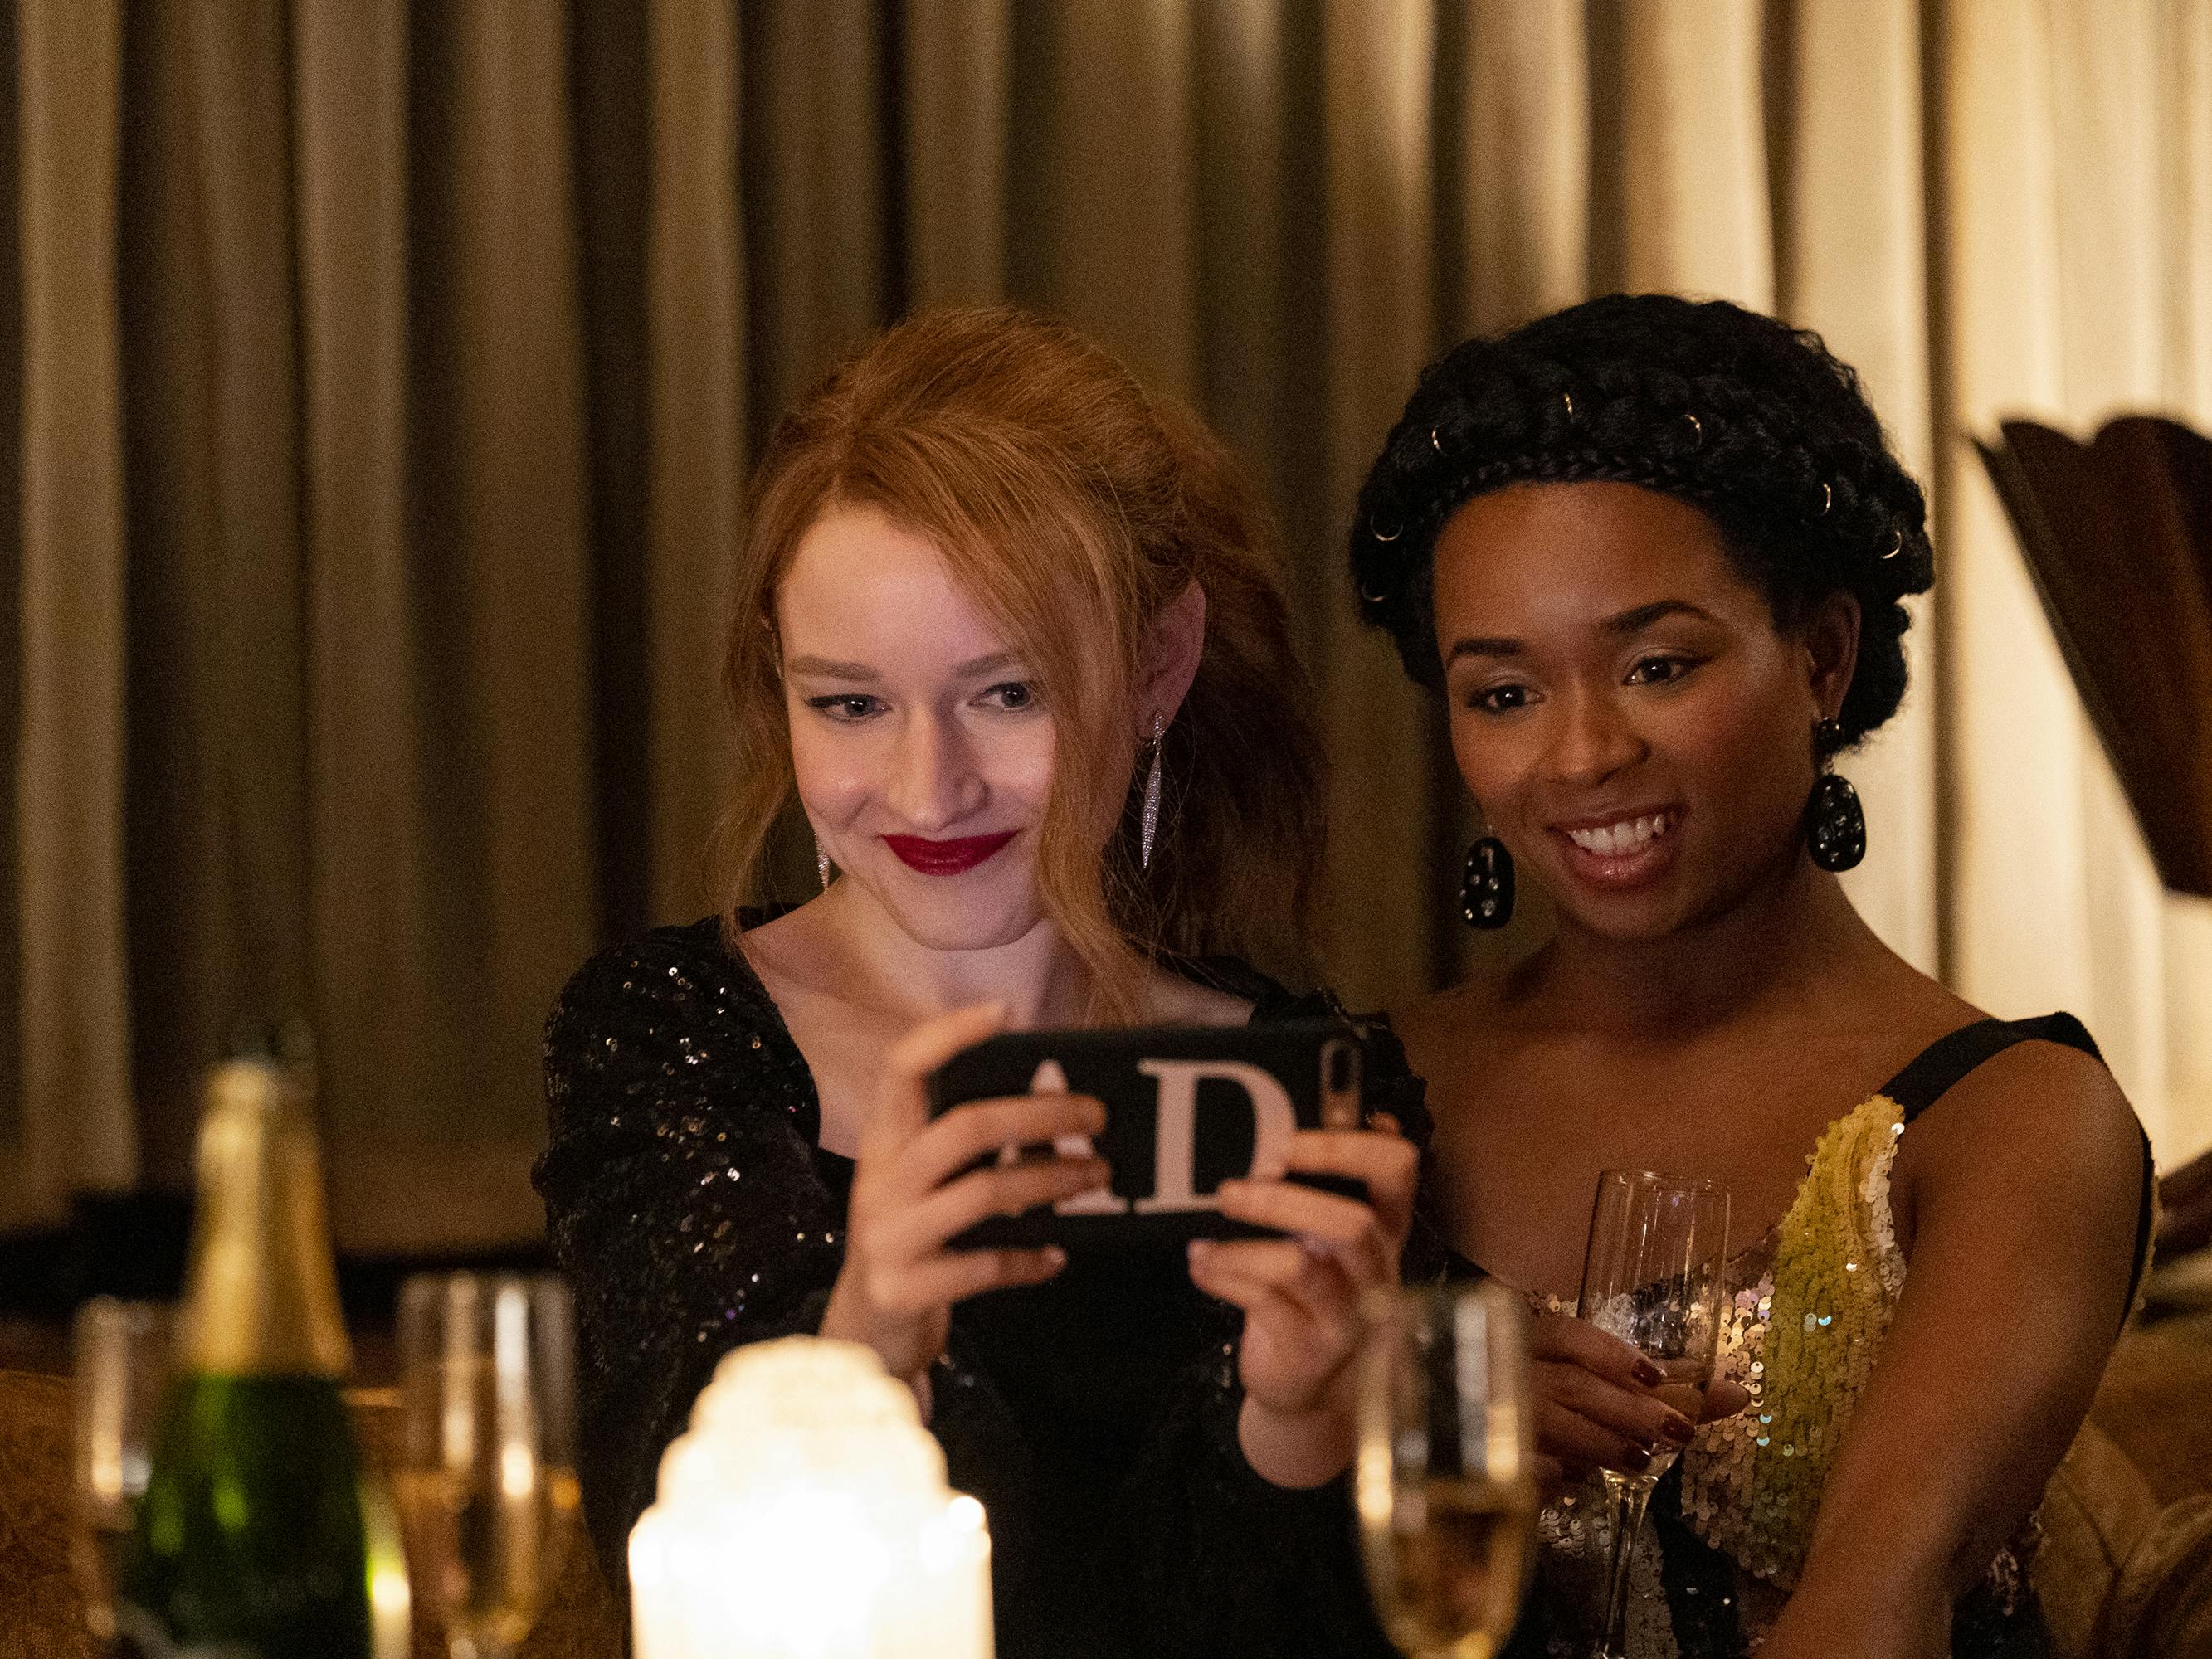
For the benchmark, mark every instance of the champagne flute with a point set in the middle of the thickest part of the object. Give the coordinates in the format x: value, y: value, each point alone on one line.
x: 123, y: 1362
x: 486, y: 1479
x: 1444, y: 1478
x: 1654, y: 1275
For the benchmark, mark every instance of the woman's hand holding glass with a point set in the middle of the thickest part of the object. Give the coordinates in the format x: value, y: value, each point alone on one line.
x: 1600, y: 1404
x: 1302, y: 1294
x: 899, y: 1281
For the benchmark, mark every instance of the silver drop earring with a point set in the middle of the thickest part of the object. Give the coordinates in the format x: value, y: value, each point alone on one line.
x: 821, y: 866
x: 1150, y: 825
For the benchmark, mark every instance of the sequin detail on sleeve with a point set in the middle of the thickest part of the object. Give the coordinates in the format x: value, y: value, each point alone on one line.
x: 681, y: 1198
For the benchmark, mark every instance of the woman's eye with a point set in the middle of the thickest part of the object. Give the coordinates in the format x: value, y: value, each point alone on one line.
x: 848, y: 705
x: 1014, y: 695
x: 1499, y: 699
x: 1658, y: 671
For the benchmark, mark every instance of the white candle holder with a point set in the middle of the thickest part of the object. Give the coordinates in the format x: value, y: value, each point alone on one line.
x: 804, y: 1516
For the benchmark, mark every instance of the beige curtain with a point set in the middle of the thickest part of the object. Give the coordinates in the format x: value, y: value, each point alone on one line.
x: 383, y: 378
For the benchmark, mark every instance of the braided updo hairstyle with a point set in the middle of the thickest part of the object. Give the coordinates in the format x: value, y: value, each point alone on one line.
x: 1739, y: 415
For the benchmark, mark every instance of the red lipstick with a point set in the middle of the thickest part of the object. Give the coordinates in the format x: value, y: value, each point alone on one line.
x: 946, y: 858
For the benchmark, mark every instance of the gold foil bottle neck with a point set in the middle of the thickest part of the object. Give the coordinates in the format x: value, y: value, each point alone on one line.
x: 261, y: 1297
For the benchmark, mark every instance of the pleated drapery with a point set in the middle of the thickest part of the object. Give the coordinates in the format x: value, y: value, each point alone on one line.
x: 382, y: 379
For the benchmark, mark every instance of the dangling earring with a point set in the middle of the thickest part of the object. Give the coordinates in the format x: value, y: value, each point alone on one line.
x: 1149, y: 825
x: 821, y: 866
x: 1486, y: 886
x: 1835, y: 823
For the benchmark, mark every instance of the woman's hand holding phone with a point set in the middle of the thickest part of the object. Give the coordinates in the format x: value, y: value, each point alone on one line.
x: 1301, y: 1294
x: 899, y: 1281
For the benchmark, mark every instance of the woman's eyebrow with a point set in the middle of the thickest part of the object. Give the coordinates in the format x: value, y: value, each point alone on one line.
x: 1635, y: 620
x: 1497, y: 645
x: 1629, y: 622
x: 828, y: 668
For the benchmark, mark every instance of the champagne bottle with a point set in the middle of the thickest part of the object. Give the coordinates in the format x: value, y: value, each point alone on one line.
x: 250, y: 1541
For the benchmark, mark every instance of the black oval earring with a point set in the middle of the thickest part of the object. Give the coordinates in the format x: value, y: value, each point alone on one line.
x: 1486, y: 885
x: 1835, y: 823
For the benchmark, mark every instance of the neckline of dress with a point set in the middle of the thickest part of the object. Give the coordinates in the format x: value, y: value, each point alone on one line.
x: 1766, y: 1242
x: 793, y: 1056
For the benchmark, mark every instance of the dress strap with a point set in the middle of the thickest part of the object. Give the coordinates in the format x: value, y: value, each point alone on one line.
x: 1943, y: 1062
x: 1930, y: 1075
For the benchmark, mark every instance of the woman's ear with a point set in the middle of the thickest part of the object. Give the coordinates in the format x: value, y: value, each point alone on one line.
x: 1172, y: 655
x: 1832, y: 650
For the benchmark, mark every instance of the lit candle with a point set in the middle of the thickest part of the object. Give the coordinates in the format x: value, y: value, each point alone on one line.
x: 804, y: 1516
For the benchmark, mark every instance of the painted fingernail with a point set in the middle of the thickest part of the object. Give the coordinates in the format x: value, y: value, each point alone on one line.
x: 1678, y: 1430
x: 1649, y: 1374
x: 1637, y: 1459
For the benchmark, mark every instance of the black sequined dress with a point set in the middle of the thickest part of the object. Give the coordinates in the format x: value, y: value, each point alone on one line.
x: 692, y: 1209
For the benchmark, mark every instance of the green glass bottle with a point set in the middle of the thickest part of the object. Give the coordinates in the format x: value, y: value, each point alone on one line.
x: 250, y: 1541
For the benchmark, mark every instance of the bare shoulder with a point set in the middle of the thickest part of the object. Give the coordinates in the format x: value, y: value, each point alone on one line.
x: 2042, y: 1090
x: 2039, y: 1120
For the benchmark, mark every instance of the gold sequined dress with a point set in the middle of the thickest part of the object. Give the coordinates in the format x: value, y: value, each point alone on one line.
x: 1728, y: 1527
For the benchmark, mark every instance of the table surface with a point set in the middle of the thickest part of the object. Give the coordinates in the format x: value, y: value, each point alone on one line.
x: 41, y: 1615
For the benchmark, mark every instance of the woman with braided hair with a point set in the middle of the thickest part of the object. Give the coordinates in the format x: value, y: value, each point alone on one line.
x: 1652, y: 554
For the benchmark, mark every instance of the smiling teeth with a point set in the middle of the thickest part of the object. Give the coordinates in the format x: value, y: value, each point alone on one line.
x: 1613, y: 840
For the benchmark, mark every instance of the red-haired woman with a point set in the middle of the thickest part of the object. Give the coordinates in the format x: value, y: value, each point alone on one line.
x: 1006, y: 625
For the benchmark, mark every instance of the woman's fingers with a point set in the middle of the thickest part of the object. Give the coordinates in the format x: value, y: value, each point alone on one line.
x: 1289, y: 1207
x: 1611, y: 1382
x: 1557, y: 1336
x: 1724, y: 1399
x: 1632, y: 1411
x: 1385, y: 1161
x: 1262, y: 1295
x: 1265, y: 1263
x: 975, y: 1129
x: 952, y: 1276
x: 902, y: 1101
x: 1236, y: 1282
x: 1313, y: 1284
x: 921, y: 1229
x: 1352, y: 1231
x: 1577, y: 1443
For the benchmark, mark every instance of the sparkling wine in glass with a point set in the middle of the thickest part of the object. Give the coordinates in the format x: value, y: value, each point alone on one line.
x: 123, y: 1362
x: 1444, y: 1478
x: 486, y: 1481
x: 1654, y: 1275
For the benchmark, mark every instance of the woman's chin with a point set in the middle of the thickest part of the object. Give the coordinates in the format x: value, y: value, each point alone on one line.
x: 1638, y: 914
x: 956, y: 914
x: 1625, y: 923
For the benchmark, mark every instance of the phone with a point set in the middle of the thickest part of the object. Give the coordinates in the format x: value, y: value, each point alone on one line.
x: 1186, y: 1107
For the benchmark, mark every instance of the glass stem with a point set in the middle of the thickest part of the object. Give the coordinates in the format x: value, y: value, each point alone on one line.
x: 1629, y: 1493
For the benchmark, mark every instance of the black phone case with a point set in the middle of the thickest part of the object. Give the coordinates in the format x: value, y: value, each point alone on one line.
x: 1187, y: 1073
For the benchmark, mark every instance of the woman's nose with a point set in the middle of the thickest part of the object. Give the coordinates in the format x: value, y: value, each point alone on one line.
x: 1593, y: 739
x: 934, y: 780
